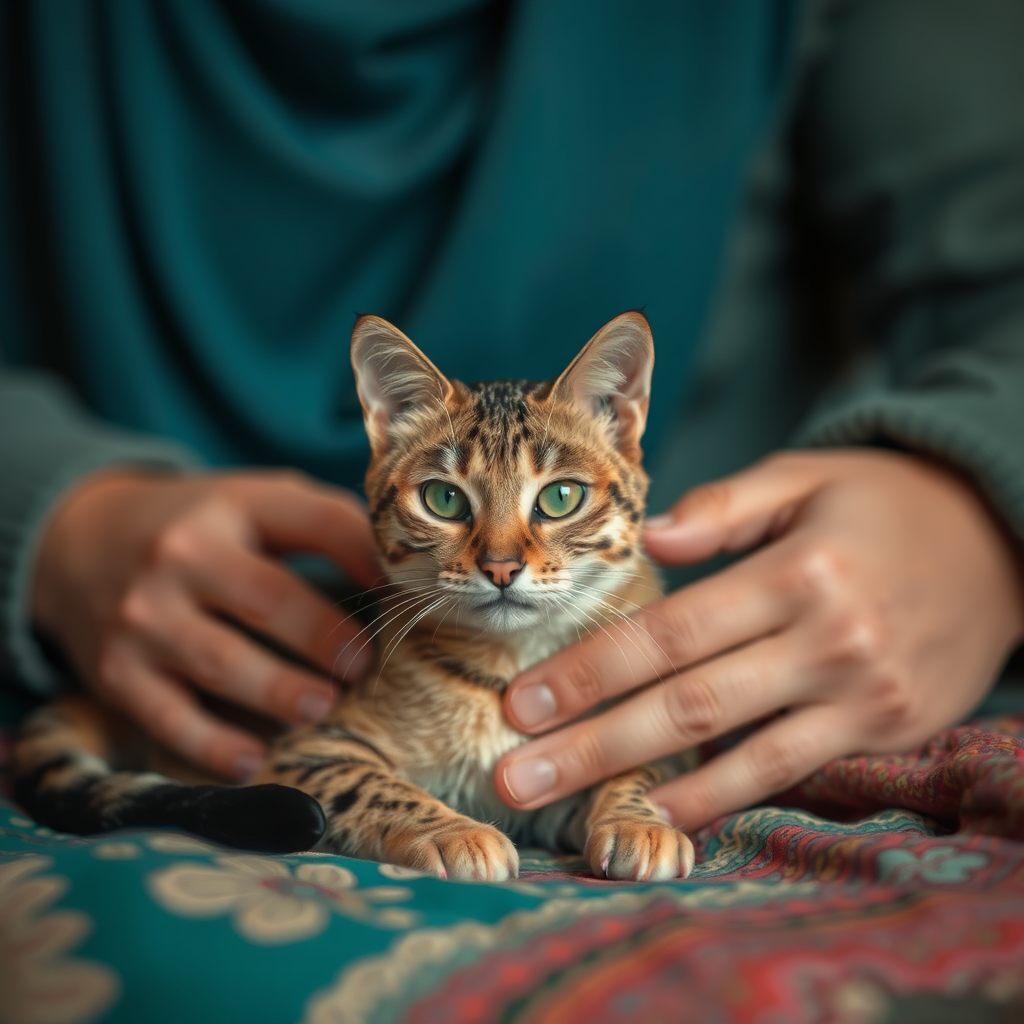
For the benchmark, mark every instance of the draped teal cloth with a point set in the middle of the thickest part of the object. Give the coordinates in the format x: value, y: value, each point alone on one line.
x: 208, y: 192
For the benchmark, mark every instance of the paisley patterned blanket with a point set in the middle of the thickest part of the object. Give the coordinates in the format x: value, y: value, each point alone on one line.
x: 883, y: 889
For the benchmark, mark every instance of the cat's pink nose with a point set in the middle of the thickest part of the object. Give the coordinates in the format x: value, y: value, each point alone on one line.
x: 501, y: 574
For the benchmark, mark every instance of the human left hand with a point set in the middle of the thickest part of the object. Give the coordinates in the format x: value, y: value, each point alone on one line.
x: 877, y: 607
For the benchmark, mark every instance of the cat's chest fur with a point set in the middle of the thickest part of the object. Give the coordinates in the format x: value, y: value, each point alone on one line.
x: 443, y: 707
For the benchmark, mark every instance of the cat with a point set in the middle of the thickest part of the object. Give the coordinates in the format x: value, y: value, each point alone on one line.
x: 507, y: 516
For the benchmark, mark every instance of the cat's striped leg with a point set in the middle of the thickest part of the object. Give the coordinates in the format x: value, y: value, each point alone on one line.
x: 374, y: 813
x: 64, y: 776
x: 627, y: 839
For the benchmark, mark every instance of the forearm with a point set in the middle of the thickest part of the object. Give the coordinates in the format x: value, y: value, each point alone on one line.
x: 912, y: 144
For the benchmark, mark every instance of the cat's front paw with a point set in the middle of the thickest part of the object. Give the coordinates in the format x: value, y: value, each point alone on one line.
x: 466, y: 850
x: 638, y: 850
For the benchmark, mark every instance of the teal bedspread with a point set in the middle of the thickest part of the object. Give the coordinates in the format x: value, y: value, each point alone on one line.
x: 884, y: 889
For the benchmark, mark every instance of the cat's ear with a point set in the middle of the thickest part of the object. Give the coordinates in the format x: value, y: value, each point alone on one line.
x: 612, y: 374
x: 393, y: 377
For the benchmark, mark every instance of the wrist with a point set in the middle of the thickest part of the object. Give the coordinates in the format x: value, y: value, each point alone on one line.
x: 1006, y: 557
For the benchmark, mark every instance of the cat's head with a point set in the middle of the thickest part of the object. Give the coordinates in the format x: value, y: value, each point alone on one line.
x: 507, y: 504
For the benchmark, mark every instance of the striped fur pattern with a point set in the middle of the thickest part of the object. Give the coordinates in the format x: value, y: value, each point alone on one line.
x: 402, y: 770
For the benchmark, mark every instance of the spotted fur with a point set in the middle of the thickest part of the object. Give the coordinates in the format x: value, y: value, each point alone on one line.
x: 402, y: 770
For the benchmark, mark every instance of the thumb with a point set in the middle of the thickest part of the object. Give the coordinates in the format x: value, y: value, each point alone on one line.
x: 735, y: 513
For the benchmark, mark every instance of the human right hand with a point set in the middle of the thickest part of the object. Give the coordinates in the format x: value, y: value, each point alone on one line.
x: 136, y: 573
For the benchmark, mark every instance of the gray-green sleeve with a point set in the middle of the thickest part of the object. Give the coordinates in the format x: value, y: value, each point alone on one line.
x: 47, y: 443
x: 913, y: 142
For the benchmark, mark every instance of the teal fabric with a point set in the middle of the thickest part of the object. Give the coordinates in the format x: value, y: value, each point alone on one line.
x: 208, y: 191
x: 791, y: 914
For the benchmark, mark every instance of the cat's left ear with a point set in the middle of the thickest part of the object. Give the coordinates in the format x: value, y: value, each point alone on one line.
x: 613, y: 374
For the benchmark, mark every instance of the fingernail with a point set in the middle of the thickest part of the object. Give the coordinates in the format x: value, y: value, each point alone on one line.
x: 532, y: 705
x: 246, y: 765
x: 312, y: 707
x: 353, y: 665
x: 527, y: 780
x: 664, y: 813
x: 658, y: 522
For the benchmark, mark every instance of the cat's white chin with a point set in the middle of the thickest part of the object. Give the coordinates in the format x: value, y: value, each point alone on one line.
x: 507, y: 614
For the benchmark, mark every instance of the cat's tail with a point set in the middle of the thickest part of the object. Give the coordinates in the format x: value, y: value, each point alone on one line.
x: 64, y: 779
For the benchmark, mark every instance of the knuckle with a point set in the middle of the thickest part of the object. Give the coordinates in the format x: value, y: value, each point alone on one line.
x: 210, y: 658
x: 890, y: 701
x: 692, y: 707
x: 258, y: 597
x: 819, y: 573
x: 586, y: 683
x: 855, y: 639
x: 587, y: 759
x: 780, y: 764
x: 176, y: 546
x: 135, y: 612
x: 862, y: 638
x: 675, y: 637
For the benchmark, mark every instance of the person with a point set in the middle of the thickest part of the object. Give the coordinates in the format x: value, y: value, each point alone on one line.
x: 820, y: 207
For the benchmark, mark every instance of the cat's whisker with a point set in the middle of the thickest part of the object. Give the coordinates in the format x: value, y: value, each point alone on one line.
x: 443, y: 617
x: 391, y: 619
x: 621, y: 617
x: 566, y: 605
x: 397, y: 583
x: 603, y: 594
x: 404, y: 631
x: 637, y: 579
x: 629, y: 618
x: 364, y: 594
x: 411, y: 592
x: 390, y: 581
x: 396, y: 609
x: 603, y: 627
x: 333, y: 629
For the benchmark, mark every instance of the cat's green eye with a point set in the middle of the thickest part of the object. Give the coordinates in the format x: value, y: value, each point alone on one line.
x: 445, y: 500
x: 558, y: 500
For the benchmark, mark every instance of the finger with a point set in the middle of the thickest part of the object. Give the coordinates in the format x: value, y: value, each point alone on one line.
x: 268, y: 597
x: 707, y: 701
x: 733, y: 607
x: 292, y: 513
x: 735, y: 513
x: 169, y: 713
x: 771, y: 760
x: 223, y: 661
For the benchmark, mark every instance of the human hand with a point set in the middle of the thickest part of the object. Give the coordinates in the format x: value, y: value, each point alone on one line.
x: 135, y: 571
x: 881, y: 601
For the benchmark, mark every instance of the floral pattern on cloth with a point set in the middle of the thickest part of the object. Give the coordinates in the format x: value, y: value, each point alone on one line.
x: 883, y: 889
x: 40, y: 983
x: 270, y: 903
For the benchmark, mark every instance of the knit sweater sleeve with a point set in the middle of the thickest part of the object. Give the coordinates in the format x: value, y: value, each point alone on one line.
x: 48, y: 443
x: 913, y: 133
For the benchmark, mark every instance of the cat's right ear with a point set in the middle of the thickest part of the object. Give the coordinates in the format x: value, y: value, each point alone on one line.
x: 393, y: 378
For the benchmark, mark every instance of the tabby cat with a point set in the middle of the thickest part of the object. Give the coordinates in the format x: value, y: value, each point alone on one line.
x: 508, y: 516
